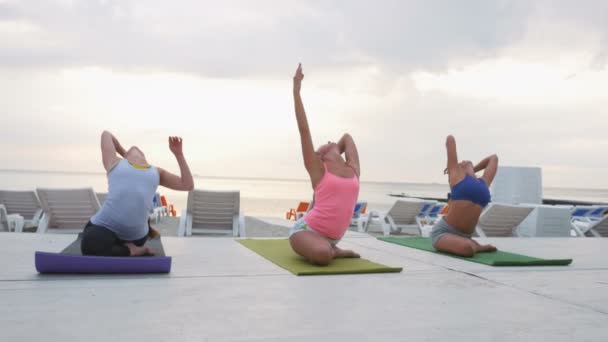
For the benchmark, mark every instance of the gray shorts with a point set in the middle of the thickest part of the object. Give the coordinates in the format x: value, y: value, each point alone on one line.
x: 301, y: 226
x: 441, y: 228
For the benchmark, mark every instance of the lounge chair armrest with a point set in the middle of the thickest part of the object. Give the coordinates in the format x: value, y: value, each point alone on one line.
x: 369, y: 217
x: 43, y: 224
x: 37, y: 217
x: 242, y: 232
x: 577, y: 229
x: 181, y: 227
x: 363, y: 222
x: 18, y: 221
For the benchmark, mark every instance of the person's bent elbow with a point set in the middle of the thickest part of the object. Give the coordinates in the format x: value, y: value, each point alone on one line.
x: 188, y: 186
x: 184, y: 188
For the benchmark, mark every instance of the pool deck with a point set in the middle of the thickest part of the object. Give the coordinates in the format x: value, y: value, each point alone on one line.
x: 218, y: 290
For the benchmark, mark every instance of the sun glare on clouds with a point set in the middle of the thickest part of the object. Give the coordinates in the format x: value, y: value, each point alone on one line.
x: 520, y: 82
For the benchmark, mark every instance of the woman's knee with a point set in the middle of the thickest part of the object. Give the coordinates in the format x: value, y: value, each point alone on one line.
x: 322, y: 255
x: 90, y: 246
x: 313, y: 248
x: 96, y: 240
x: 466, y: 250
x: 455, y: 245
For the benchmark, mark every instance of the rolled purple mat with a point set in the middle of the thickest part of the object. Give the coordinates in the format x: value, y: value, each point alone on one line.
x: 63, y: 263
x: 70, y: 260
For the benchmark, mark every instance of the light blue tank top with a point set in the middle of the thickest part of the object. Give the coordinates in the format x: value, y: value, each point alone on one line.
x: 130, y: 194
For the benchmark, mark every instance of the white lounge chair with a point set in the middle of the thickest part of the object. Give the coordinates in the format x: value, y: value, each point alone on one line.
x: 424, y: 212
x: 500, y: 220
x: 546, y: 221
x: 214, y: 212
x: 580, y: 213
x: 23, y: 203
x: 158, y: 209
x: 597, y: 213
x: 402, y: 215
x: 584, y: 217
x: 66, y: 210
x: 359, y: 219
x: 595, y: 229
x: 427, y: 219
x: 10, y: 221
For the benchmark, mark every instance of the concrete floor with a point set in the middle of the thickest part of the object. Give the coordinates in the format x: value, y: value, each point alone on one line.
x: 219, y: 290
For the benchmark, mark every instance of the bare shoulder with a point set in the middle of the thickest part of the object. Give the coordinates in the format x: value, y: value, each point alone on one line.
x: 160, y: 170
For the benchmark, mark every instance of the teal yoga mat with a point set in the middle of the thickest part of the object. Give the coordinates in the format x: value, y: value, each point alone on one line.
x: 498, y: 258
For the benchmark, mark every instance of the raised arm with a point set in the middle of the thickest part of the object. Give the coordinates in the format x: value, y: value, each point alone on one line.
x: 349, y: 148
x: 109, y: 148
x: 490, y: 166
x: 311, y: 160
x: 450, y: 145
x: 184, y: 182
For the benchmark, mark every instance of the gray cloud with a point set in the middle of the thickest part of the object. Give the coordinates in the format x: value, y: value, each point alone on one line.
x: 241, y: 38
x: 238, y: 39
x: 590, y: 15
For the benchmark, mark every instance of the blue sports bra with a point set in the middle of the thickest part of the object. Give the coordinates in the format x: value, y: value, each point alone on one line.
x: 472, y: 189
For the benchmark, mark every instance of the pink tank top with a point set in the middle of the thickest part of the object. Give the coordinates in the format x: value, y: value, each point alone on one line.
x: 335, y: 200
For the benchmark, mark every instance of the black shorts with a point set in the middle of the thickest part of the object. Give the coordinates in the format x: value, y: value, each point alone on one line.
x: 99, y: 240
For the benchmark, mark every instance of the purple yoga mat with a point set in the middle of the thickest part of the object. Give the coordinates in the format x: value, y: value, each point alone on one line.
x: 71, y: 260
x: 65, y: 263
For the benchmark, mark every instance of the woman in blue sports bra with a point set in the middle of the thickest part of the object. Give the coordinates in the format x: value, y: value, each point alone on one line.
x: 470, y: 194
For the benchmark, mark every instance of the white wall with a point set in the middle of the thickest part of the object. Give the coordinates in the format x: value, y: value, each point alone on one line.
x: 513, y: 185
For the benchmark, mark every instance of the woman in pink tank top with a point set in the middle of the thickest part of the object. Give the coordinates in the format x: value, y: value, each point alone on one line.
x: 336, y: 186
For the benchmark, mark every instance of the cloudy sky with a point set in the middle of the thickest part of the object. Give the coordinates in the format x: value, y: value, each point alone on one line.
x: 524, y: 79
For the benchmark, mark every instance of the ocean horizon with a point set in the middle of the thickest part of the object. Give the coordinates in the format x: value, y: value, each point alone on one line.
x: 261, y: 196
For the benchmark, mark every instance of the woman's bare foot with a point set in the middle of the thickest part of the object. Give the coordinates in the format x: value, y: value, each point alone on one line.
x: 139, y: 251
x: 483, y: 248
x: 344, y: 253
x: 486, y: 249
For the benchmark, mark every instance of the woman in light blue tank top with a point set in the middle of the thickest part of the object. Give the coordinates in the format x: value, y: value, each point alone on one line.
x: 120, y: 227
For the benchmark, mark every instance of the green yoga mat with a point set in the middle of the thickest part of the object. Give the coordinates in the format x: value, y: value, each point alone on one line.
x: 498, y: 258
x: 279, y: 252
